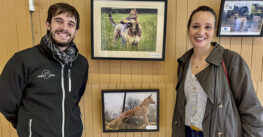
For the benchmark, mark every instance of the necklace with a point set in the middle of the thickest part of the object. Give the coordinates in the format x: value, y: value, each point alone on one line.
x: 199, y: 67
x: 200, y: 64
x: 196, y: 66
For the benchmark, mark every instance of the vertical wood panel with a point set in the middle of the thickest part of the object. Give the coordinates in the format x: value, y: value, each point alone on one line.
x: 41, y: 14
x: 162, y: 109
x: 225, y: 42
x: 1, y: 135
x: 23, y: 24
x: 15, y: 34
x: 262, y: 69
x: 126, y: 71
x: 137, y: 134
x: 1, y: 125
x: 170, y: 43
x: 204, y: 2
x: 36, y: 21
x: 81, y: 35
x: 181, y: 25
x: 102, y: 87
x: 5, y: 126
x: 88, y: 116
x: 115, y: 71
x: 9, y: 39
x: 260, y: 92
x: 215, y: 4
x: 88, y: 27
x: 256, y: 68
x: 170, y: 101
x: 159, y: 71
x: 71, y: 2
x: 192, y: 5
x: 255, y: 85
x: 56, y: 1
x: 246, y: 50
x: 96, y: 96
x: 147, y: 72
x: 136, y: 72
x: 236, y: 44
x: 104, y: 71
x: 3, y: 53
x: 93, y: 72
x: 94, y: 67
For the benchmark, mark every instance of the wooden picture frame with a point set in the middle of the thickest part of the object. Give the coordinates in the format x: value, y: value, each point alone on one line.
x: 130, y: 110
x: 138, y: 31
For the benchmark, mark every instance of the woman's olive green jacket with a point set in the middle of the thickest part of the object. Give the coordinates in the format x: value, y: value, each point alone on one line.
x: 231, y: 111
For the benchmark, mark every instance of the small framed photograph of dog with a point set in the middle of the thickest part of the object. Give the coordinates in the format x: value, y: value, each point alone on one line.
x: 128, y: 29
x: 130, y: 110
x: 241, y: 18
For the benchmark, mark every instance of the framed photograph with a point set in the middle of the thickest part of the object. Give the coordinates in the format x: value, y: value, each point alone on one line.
x: 241, y: 18
x: 130, y: 110
x: 128, y: 29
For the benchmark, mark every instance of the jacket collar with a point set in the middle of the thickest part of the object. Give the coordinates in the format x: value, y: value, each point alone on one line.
x: 215, y: 57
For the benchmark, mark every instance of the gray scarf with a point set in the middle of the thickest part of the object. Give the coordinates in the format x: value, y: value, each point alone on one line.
x: 66, y: 56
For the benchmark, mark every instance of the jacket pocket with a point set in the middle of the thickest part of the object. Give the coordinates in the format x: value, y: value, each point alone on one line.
x: 74, y: 126
x: 175, y: 128
x: 24, y: 123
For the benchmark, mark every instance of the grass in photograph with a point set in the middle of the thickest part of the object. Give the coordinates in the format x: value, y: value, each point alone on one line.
x: 148, y: 23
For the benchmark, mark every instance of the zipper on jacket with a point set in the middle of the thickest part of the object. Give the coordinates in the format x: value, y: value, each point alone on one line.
x: 69, y: 80
x: 30, y: 127
x: 63, y: 93
x: 63, y: 100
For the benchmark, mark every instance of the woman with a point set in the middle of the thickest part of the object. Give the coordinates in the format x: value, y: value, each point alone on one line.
x: 206, y: 104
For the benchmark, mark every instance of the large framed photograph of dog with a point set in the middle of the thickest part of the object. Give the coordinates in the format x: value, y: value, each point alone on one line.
x: 241, y: 18
x: 130, y: 110
x: 128, y: 29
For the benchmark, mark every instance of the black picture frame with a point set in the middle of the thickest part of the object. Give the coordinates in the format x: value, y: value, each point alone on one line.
x: 146, y: 41
x: 240, y: 18
x: 125, y: 110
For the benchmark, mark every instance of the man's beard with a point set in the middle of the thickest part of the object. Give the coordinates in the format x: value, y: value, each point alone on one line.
x: 59, y: 44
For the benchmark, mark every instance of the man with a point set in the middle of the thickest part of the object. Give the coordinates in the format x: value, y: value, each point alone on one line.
x: 239, y: 23
x: 40, y: 87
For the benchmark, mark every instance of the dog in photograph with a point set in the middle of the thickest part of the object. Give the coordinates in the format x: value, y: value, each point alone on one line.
x: 129, y: 30
x: 140, y: 110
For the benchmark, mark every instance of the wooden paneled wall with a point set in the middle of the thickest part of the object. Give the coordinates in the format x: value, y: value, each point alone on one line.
x: 15, y: 35
x: 18, y: 30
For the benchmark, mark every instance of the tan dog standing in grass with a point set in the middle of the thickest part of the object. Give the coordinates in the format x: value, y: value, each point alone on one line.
x: 129, y: 30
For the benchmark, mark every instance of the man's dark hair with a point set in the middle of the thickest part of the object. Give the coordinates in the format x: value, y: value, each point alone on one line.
x: 204, y: 9
x: 60, y: 8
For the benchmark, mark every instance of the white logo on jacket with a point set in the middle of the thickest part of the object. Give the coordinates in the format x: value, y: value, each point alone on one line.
x: 46, y: 74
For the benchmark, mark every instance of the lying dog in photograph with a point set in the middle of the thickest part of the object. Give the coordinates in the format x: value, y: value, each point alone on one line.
x: 129, y: 30
x: 140, y: 110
